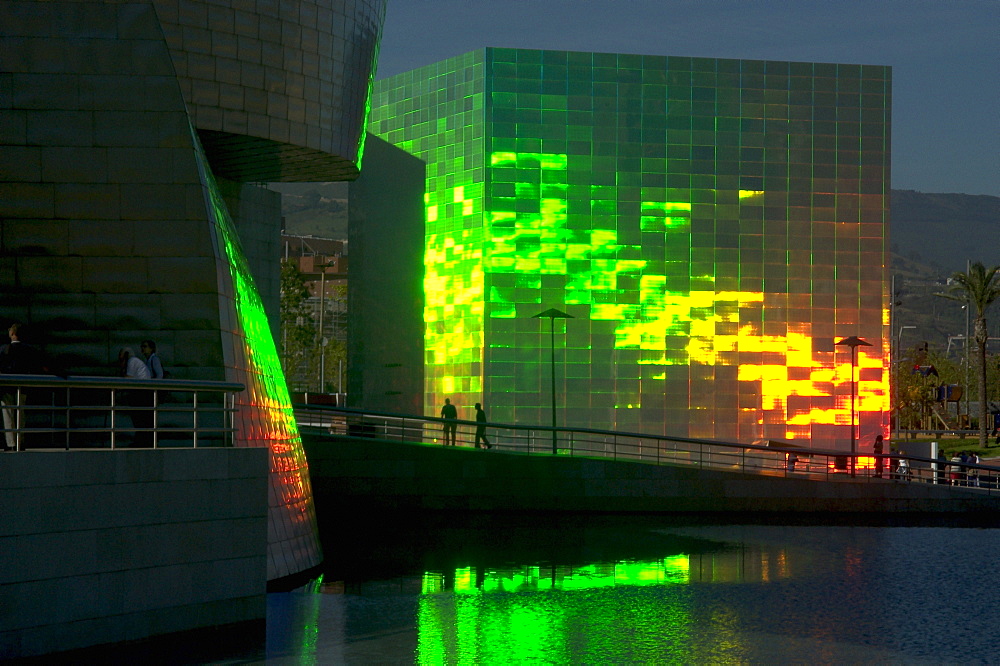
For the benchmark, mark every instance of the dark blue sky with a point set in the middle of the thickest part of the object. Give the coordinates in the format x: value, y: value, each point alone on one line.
x: 945, y: 56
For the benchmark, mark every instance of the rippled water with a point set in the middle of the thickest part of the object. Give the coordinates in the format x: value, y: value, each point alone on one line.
x: 647, y: 591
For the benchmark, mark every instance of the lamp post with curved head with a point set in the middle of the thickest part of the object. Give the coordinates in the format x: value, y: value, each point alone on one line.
x: 853, y: 342
x: 553, y: 314
x: 322, y: 324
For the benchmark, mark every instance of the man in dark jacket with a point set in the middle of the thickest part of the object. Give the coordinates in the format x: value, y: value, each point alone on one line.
x: 450, y: 414
x: 20, y: 358
x: 16, y: 358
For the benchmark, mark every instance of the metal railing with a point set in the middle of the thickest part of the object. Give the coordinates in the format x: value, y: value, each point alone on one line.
x: 792, y: 462
x: 49, y: 412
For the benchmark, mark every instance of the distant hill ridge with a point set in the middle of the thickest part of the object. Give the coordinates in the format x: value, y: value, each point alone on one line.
x: 937, y: 231
x: 931, y: 236
x: 945, y: 230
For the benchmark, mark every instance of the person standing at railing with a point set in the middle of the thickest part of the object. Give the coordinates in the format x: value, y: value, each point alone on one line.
x: 131, y: 366
x: 16, y: 358
x: 963, y: 473
x: 450, y: 414
x: 141, y: 401
x: 974, y: 459
x: 878, y: 449
x: 481, y: 428
x: 903, y: 470
x: 955, y: 470
x: 148, y: 349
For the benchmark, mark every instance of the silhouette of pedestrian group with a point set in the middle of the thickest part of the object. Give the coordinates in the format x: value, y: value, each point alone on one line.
x: 449, y: 413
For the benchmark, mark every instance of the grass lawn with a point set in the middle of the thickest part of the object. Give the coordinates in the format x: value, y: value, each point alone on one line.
x: 951, y: 445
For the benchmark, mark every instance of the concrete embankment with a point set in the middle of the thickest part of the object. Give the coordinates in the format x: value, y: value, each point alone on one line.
x: 378, y: 475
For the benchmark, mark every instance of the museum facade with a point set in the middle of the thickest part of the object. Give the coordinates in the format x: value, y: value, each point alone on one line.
x: 134, y: 141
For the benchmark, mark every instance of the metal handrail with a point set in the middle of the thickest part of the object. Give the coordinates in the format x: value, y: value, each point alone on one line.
x: 74, y: 412
x: 790, y: 461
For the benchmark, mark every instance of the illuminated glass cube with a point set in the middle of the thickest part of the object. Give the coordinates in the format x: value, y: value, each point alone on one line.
x: 713, y: 226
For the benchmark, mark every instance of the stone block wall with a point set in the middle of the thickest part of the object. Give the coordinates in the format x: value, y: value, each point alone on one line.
x: 108, y: 546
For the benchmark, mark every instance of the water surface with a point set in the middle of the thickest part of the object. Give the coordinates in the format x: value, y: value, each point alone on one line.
x: 584, y: 590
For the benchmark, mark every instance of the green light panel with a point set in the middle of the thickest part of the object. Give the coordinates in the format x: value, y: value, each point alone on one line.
x: 713, y: 226
x: 437, y: 115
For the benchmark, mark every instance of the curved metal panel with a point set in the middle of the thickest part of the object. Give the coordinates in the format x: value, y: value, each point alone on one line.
x: 279, y: 91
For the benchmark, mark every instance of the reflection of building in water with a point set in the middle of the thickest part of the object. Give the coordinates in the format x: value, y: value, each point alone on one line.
x: 742, y: 565
x: 482, y: 614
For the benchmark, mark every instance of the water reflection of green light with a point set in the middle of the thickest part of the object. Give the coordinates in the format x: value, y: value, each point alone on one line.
x: 674, y: 569
x: 497, y: 616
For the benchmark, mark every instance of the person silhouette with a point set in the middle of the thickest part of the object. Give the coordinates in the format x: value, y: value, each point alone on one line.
x: 481, y: 428
x: 449, y: 413
x: 148, y: 349
x: 139, y: 401
x: 877, y: 449
x: 17, y: 358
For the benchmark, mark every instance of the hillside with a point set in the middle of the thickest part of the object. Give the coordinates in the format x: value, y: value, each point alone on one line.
x: 314, y: 209
x: 931, y: 236
x: 945, y: 229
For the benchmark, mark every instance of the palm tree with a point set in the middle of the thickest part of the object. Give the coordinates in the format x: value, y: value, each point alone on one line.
x: 977, y: 289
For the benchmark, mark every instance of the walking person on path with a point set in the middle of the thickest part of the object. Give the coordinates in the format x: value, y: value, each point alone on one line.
x: 974, y: 471
x: 481, y: 428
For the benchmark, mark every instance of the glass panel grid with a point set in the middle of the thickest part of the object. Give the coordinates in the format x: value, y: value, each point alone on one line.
x: 713, y: 227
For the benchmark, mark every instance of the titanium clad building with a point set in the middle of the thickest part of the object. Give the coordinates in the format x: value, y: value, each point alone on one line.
x: 714, y: 227
x: 134, y: 138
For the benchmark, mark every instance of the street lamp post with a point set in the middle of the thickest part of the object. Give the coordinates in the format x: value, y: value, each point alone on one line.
x: 968, y: 392
x: 896, y: 361
x: 853, y: 342
x: 553, y: 314
x: 322, y: 323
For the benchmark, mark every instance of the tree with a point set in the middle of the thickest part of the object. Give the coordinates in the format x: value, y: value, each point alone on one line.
x: 977, y: 289
x: 922, y: 372
x: 298, y: 330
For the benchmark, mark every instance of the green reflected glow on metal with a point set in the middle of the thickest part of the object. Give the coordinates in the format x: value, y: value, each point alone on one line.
x: 264, y: 409
x: 368, y: 100
x: 269, y: 389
